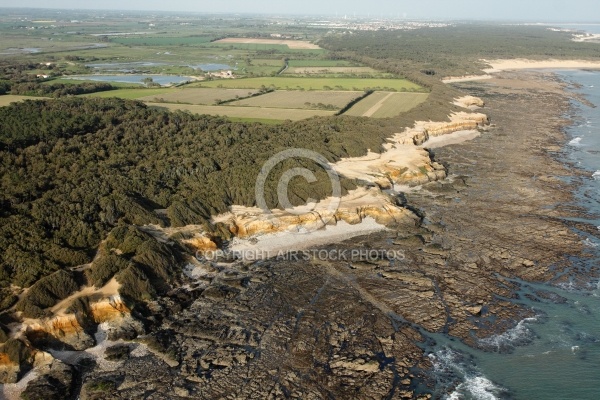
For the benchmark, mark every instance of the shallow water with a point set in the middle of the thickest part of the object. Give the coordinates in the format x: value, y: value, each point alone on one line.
x: 555, y: 355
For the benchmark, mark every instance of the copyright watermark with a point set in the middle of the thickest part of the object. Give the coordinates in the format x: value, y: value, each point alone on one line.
x: 324, y: 208
x: 344, y: 255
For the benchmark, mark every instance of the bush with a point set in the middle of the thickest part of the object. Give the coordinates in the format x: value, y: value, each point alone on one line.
x: 104, y: 268
x: 46, y: 293
x: 135, y: 284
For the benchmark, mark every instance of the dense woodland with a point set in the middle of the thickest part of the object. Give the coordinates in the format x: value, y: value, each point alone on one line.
x: 59, y: 89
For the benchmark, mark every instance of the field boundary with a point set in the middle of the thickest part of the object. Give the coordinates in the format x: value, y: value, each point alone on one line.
x: 354, y: 102
x: 262, y: 93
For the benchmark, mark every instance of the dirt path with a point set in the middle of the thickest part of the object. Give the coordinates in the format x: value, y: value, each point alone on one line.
x: 377, y: 106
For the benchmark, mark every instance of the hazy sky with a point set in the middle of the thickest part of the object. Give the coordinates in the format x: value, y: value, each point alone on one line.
x: 532, y: 10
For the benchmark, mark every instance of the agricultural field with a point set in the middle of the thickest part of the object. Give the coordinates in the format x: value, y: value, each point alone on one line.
x: 69, y: 81
x: 260, y: 67
x: 331, y: 70
x: 263, y: 48
x: 291, y: 44
x: 145, y: 40
x: 8, y: 99
x: 320, y: 63
x: 130, y: 94
x: 254, y: 113
x: 386, y: 104
x: 197, y: 96
x: 312, y: 100
x: 311, y: 85
x: 302, y: 83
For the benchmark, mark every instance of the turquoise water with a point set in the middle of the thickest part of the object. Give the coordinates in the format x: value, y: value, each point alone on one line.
x: 160, y: 79
x: 555, y: 355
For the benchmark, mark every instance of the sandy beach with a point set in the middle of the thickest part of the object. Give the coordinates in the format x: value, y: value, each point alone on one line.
x: 591, y: 37
x: 521, y: 63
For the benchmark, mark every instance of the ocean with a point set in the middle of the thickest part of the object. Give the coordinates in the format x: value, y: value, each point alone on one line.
x: 555, y: 355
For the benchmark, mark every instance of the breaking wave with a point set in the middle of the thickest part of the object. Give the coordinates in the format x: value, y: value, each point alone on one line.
x: 479, y: 388
x: 506, y: 342
x: 575, y: 141
x: 465, y: 381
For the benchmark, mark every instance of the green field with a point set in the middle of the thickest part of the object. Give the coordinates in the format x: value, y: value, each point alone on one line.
x: 197, y: 96
x: 386, y: 104
x: 162, y: 41
x: 259, y: 120
x: 259, y: 67
x: 7, y: 99
x: 319, y: 63
x: 331, y: 70
x: 130, y: 94
x: 66, y: 81
x: 300, y: 100
x: 246, y: 112
x: 299, y: 83
x: 261, y: 47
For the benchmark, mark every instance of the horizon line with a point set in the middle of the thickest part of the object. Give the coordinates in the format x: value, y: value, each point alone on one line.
x: 336, y: 15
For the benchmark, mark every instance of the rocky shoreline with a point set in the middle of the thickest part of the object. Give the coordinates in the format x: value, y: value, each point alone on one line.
x: 314, y: 328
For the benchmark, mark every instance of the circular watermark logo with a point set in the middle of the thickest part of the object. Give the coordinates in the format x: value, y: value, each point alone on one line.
x: 325, y: 209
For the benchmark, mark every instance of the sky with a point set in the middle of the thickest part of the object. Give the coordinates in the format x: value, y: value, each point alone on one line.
x: 523, y: 10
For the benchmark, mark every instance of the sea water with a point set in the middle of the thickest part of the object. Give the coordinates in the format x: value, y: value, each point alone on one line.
x: 556, y: 354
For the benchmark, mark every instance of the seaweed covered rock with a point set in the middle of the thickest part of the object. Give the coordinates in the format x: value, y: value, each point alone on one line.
x: 54, y: 383
x: 118, y: 352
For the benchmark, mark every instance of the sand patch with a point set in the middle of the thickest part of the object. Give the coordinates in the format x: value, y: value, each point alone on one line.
x: 589, y: 37
x: 521, y: 63
x: 466, y: 78
x: 272, y: 245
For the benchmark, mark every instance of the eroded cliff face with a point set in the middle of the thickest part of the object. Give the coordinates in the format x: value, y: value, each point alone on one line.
x: 9, y: 369
x: 62, y: 331
x: 404, y: 160
x: 74, y: 331
x: 354, y: 208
